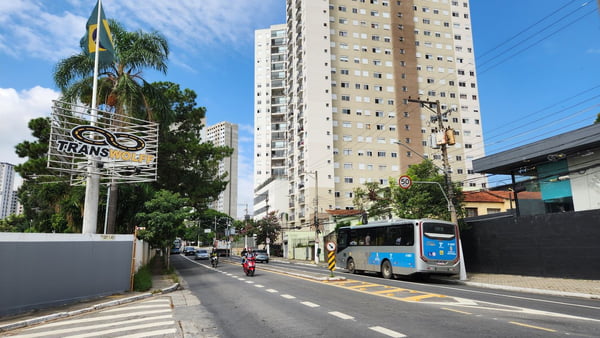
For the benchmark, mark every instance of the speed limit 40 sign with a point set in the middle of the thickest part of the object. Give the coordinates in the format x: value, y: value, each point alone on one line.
x: 404, y: 182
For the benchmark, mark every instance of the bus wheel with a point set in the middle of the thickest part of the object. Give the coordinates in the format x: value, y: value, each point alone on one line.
x: 386, y: 270
x: 350, y: 266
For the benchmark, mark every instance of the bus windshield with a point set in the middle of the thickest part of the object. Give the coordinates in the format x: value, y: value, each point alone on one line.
x: 438, y: 230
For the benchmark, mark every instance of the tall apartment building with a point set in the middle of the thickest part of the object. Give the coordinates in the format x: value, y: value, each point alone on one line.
x: 226, y: 134
x: 270, y: 121
x: 351, y: 67
x: 7, y: 195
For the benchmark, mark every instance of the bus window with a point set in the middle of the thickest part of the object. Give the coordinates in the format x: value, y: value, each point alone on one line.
x: 400, y: 235
x: 438, y: 230
x: 342, y: 240
x: 379, y: 236
x: 354, y: 238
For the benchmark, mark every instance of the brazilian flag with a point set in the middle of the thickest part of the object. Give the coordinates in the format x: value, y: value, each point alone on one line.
x: 88, y: 42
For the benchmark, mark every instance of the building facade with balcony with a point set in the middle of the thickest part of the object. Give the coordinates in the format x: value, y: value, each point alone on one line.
x: 350, y: 69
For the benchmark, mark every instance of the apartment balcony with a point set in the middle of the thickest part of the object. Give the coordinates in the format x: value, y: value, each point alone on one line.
x: 301, y: 199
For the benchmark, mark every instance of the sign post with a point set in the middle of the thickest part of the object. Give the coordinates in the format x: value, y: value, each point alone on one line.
x: 331, y: 256
x: 404, y: 182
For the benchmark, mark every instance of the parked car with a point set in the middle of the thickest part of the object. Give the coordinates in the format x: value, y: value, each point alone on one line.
x: 202, y: 254
x: 175, y: 251
x: 261, y: 256
x: 189, y: 250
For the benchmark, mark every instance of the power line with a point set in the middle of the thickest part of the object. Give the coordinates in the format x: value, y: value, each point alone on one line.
x: 533, y: 44
x: 523, y: 31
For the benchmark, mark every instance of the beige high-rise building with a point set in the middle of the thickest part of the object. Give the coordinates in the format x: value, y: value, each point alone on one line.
x: 351, y: 67
x: 226, y: 134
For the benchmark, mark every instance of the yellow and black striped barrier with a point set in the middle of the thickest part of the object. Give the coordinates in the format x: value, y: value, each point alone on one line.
x: 331, y: 260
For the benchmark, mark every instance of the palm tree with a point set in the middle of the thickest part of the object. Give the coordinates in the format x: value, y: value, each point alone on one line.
x: 121, y: 87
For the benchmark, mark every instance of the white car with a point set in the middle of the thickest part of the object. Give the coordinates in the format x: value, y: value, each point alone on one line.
x: 202, y: 254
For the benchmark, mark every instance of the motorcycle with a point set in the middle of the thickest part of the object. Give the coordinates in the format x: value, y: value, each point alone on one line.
x: 249, y: 265
x: 214, y: 260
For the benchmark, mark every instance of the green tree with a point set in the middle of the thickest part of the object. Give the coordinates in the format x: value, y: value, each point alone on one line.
x: 14, y: 223
x: 163, y: 218
x: 419, y: 201
x: 50, y: 203
x: 121, y: 85
x: 267, y: 227
x: 597, y: 118
x: 186, y: 164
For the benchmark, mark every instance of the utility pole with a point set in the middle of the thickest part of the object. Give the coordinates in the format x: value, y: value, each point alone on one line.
x: 316, y: 218
x: 444, y: 147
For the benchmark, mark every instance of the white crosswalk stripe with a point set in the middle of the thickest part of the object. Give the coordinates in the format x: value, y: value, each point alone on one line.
x: 147, y: 318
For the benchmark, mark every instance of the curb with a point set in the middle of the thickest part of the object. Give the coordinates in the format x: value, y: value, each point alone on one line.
x: 43, y: 319
x: 531, y: 290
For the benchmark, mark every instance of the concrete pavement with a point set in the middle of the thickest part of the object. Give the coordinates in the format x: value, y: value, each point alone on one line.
x: 161, y: 285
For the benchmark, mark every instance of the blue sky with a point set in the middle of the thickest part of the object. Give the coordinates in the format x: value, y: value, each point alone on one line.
x: 542, y: 82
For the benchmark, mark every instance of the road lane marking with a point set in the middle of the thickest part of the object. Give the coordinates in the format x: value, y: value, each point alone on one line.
x: 259, y: 286
x: 111, y: 317
x: 122, y: 328
x: 149, y: 333
x: 458, y: 311
x: 362, y: 285
x: 119, y: 324
x: 310, y: 304
x: 341, y: 315
x: 387, y: 332
x: 272, y: 290
x: 286, y: 296
x: 533, y: 326
x: 421, y: 297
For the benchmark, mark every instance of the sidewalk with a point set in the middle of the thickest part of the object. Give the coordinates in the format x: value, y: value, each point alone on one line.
x: 580, y: 288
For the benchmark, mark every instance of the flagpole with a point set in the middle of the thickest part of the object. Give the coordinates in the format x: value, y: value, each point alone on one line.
x: 92, y: 186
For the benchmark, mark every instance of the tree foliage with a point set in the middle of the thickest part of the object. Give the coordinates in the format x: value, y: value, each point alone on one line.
x: 50, y: 203
x: 266, y: 227
x: 421, y: 200
x: 163, y: 218
x: 185, y: 163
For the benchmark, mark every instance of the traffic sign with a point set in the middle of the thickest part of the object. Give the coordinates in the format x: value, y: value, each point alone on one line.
x: 330, y: 246
x: 404, y: 182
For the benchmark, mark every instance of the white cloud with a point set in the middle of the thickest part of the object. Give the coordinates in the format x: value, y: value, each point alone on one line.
x: 17, y: 108
x: 52, y: 31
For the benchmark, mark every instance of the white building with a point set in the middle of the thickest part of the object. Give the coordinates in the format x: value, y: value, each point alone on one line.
x: 226, y: 134
x: 8, y: 203
x: 350, y: 69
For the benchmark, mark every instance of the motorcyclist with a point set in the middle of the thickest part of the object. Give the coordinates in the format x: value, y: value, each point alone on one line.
x: 247, y: 253
x: 243, y: 254
x: 214, y: 255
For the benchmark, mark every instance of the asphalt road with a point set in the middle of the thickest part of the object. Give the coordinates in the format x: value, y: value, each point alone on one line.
x: 275, y: 304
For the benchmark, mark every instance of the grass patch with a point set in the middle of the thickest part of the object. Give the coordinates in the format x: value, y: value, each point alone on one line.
x: 142, y: 280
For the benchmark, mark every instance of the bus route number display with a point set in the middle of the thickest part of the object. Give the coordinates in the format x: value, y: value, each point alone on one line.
x: 404, y: 182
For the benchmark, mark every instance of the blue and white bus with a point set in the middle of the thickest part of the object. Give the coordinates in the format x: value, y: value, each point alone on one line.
x: 400, y: 247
